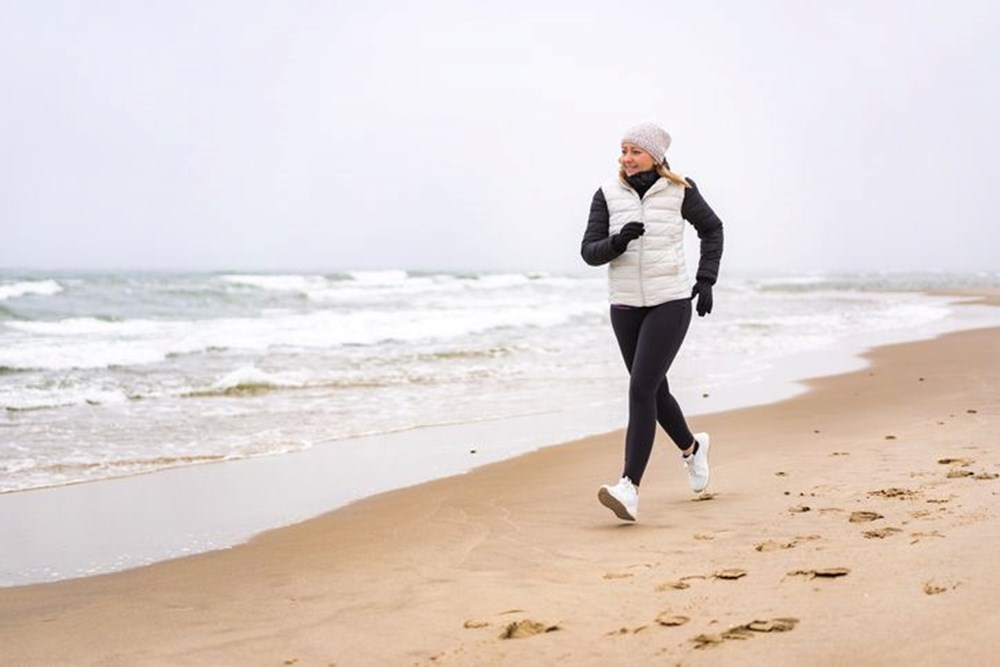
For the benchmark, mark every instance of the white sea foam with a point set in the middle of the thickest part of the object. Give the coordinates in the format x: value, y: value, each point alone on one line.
x: 281, y: 283
x: 250, y: 378
x: 29, y: 287
x: 66, y: 394
x: 792, y: 281
x: 393, y: 277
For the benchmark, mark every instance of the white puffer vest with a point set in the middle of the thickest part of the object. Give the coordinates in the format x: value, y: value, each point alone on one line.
x: 651, y: 271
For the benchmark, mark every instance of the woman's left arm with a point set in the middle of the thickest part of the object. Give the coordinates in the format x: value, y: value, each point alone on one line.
x: 696, y: 210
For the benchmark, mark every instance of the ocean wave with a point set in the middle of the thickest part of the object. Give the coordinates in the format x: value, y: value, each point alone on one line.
x: 87, y: 343
x: 29, y: 399
x: 875, y: 282
x: 152, y: 461
x: 501, y: 280
x: 388, y: 277
x: 82, y: 326
x: 29, y: 288
x: 21, y: 473
x: 31, y: 474
x: 246, y: 381
x: 467, y: 354
x: 251, y: 381
x: 792, y: 282
x: 277, y: 282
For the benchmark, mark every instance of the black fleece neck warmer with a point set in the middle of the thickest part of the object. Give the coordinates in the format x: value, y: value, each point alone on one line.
x: 642, y: 181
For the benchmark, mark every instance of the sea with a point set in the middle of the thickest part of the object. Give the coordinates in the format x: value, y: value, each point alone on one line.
x: 119, y: 374
x: 149, y: 416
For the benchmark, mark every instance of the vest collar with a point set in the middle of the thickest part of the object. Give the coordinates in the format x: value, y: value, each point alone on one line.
x: 642, y: 181
x: 652, y: 181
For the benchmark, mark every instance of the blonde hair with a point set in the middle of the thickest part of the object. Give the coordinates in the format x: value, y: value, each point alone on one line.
x: 663, y: 169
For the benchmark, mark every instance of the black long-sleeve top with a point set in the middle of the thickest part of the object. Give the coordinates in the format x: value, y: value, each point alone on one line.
x: 596, y: 247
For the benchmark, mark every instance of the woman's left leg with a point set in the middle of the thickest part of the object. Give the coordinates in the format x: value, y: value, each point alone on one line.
x: 671, y: 418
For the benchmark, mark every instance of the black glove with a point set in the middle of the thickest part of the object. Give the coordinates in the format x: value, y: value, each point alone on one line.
x: 703, y: 291
x: 630, y: 231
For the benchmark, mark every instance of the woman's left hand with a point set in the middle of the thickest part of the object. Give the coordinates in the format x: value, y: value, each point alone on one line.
x: 703, y: 291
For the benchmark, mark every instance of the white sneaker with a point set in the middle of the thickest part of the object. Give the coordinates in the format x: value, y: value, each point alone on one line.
x: 622, y: 499
x: 697, y: 464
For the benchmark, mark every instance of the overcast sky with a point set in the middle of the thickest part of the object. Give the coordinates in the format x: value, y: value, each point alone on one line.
x: 327, y: 135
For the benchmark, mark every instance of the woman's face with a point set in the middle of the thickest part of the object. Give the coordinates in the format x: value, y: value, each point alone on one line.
x: 635, y: 160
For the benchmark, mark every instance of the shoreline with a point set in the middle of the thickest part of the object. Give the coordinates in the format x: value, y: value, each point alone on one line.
x: 132, y: 521
x: 436, y: 573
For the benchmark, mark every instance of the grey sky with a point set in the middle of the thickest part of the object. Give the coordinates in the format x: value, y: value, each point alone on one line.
x: 292, y: 135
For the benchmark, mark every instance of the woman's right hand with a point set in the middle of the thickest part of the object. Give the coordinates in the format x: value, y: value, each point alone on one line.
x: 630, y: 231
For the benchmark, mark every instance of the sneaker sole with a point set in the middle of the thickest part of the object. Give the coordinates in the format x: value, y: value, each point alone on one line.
x: 614, y: 505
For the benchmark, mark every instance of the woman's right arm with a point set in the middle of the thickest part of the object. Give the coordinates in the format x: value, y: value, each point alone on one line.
x: 596, y: 248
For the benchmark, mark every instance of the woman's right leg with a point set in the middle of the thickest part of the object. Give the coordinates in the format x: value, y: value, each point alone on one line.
x: 626, y: 323
x: 649, y: 339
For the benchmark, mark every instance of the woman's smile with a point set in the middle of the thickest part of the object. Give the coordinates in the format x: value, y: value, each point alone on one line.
x: 635, y: 160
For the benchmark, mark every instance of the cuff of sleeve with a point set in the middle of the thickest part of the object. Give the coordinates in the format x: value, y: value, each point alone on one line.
x: 705, y: 278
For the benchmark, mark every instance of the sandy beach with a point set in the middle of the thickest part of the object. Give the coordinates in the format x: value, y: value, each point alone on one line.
x: 855, y: 524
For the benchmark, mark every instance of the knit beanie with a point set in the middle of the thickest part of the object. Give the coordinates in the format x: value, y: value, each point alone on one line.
x: 651, y: 138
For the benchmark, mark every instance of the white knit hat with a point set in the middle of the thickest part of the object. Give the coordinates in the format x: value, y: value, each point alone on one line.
x: 651, y: 138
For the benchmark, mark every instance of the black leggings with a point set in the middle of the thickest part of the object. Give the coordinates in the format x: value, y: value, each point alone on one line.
x: 649, y: 339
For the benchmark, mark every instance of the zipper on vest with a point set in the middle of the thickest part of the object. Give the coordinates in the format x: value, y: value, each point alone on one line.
x: 642, y: 289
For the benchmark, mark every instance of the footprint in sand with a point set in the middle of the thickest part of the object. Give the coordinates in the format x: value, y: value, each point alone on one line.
x: 746, y: 631
x: 864, y: 516
x: 956, y: 462
x: 476, y: 623
x: 919, y: 537
x: 730, y: 574
x: 771, y: 545
x: 958, y: 472
x: 893, y: 492
x: 678, y: 584
x: 881, y: 533
x: 671, y: 620
x: 526, y: 628
x: 672, y: 585
x: 826, y: 573
x: 931, y: 588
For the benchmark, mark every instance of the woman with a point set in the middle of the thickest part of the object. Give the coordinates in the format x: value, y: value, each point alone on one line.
x: 636, y: 226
